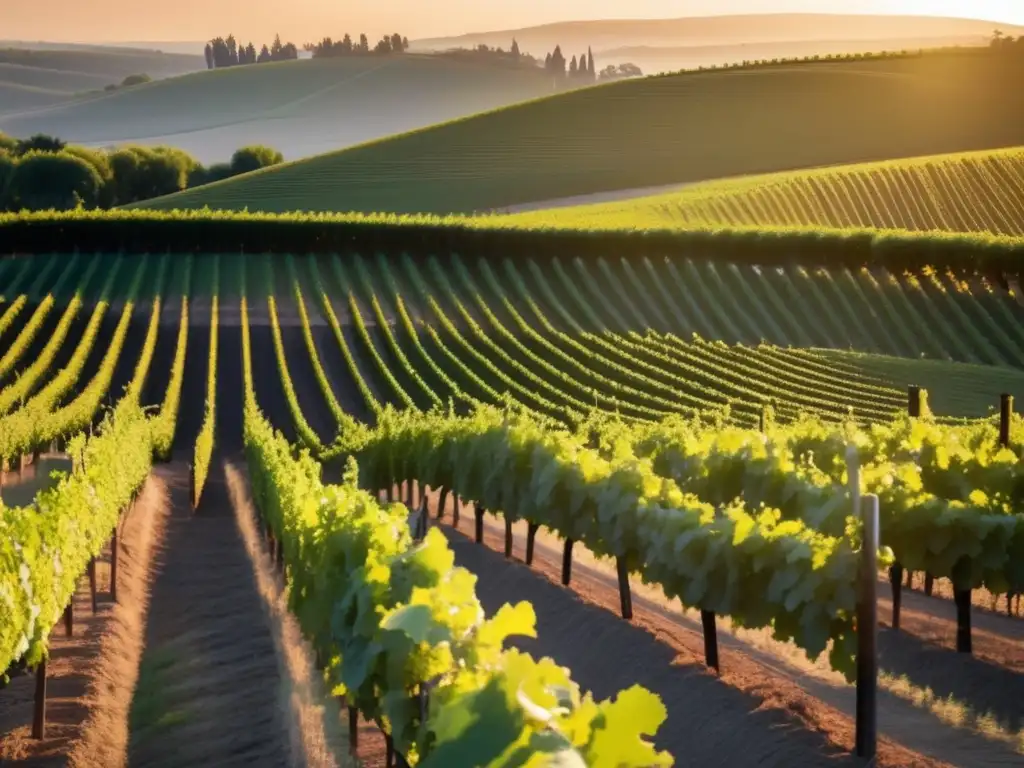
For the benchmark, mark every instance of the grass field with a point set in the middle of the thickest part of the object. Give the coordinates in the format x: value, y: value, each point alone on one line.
x: 301, y: 107
x: 648, y: 132
x: 971, y: 192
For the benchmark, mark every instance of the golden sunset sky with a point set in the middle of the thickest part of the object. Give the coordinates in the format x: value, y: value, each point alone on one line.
x: 302, y: 20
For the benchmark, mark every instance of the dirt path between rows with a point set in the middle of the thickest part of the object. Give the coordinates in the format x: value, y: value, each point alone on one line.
x: 91, y: 675
x: 215, y: 683
x: 815, y: 709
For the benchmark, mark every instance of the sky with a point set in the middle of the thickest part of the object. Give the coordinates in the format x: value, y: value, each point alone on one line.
x: 305, y: 20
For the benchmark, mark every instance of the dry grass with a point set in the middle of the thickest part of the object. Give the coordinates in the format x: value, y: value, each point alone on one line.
x: 92, y: 675
x: 104, y: 740
x: 319, y: 739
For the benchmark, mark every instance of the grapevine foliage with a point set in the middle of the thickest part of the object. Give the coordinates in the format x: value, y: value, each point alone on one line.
x: 394, y: 618
x: 44, y: 548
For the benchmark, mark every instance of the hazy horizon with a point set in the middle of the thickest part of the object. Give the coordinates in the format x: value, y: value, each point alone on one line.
x: 118, y: 21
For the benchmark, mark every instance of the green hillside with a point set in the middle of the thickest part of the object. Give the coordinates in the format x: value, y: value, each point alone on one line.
x: 300, y: 107
x: 970, y: 192
x: 672, y: 129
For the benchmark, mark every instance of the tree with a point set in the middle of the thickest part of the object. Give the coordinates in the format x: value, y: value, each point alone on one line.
x: 54, y: 180
x: 276, y: 48
x: 221, y: 52
x: 209, y: 56
x: 397, y: 46
x: 346, y: 44
x: 547, y: 62
x: 590, y: 64
x: 405, y: 43
x: 40, y: 142
x: 364, y: 44
x: 8, y: 144
x: 216, y: 172
x: 383, y: 46
x: 250, y: 54
x: 252, y: 158
x: 232, y: 50
x: 558, y: 62
x: 573, y: 70
x: 100, y: 161
x: 515, y: 49
x: 582, y: 71
x: 264, y: 55
x: 7, y: 166
x: 141, y: 173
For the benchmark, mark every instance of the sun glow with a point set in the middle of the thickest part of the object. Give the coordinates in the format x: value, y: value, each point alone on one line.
x: 109, y: 20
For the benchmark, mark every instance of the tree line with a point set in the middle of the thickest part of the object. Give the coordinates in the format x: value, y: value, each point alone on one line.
x: 228, y: 52
x: 346, y: 46
x: 43, y: 172
x: 582, y: 68
x: 1002, y: 43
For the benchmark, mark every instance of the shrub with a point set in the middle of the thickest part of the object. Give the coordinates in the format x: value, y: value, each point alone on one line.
x: 7, y: 166
x: 131, y: 80
x: 248, y: 159
x: 40, y: 142
x: 99, y: 160
x: 216, y: 172
x: 141, y: 173
x: 58, y: 180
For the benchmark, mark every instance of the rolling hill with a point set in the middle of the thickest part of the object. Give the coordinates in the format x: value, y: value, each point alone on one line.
x: 655, y: 131
x: 31, y: 78
x: 661, y: 44
x: 301, y: 107
x: 970, y: 192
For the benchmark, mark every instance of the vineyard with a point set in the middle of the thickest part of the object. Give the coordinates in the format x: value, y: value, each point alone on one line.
x: 972, y: 192
x: 685, y: 419
x: 642, y: 133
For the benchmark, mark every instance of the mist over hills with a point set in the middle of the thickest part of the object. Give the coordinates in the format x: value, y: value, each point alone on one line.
x: 664, y: 44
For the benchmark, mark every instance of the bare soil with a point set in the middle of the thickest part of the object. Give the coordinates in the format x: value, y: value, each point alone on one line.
x: 210, y: 687
x: 758, y: 675
x: 318, y: 736
x: 91, y: 675
x: 981, y: 599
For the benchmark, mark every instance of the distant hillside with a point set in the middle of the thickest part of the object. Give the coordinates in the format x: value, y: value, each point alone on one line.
x: 725, y: 31
x: 653, y: 59
x: 31, y: 78
x: 112, y: 63
x: 656, y: 131
x: 14, y: 96
x: 301, y: 108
